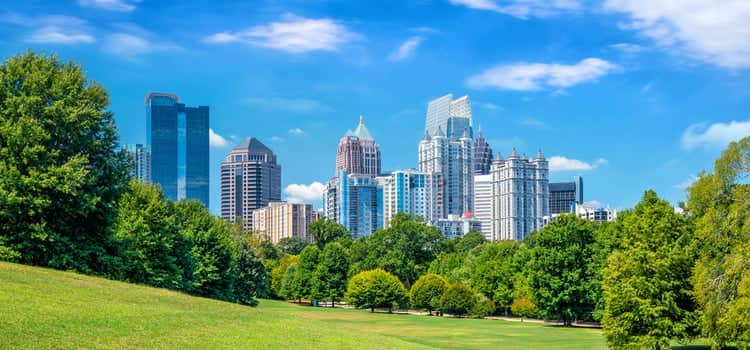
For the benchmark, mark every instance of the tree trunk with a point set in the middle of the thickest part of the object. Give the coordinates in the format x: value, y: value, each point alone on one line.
x: 372, y: 309
x: 332, y: 303
x: 390, y: 310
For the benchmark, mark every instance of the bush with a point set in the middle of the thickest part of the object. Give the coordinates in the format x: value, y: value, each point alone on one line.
x: 426, y: 292
x: 483, y: 306
x: 523, y: 307
x: 375, y: 288
x: 457, y: 300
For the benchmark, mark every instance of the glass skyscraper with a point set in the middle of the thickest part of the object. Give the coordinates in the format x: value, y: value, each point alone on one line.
x: 140, y: 159
x: 412, y: 192
x: 482, y: 155
x: 178, y: 145
x: 353, y: 201
x: 451, y: 116
x: 564, y: 195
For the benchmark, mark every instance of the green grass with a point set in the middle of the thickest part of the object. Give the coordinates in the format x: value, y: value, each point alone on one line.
x: 41, y: 308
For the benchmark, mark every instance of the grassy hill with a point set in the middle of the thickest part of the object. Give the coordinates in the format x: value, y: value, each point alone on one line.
x: 41, y: 308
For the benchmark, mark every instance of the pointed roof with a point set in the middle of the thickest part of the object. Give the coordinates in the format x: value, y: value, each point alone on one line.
x: 426, y: 135
x: 361, y: 130
x: 439, y: 132
x: 253, y: 145
x: 499, y: 156
x: 513, y: 153
x: 539, y: 154
x: 466, y: 134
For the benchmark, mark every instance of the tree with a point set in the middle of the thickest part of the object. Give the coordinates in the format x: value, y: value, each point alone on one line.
x: 647, y: 290
x: 302, y: 285
x: 558, y: 268
x: 61, y: 170
x: 523, y: 307
x: 329, y: 278
x: 375, y: 288
x: 291, y: 245
x: 250, y: 273
x: 483, y: 306
x: 325, y: 231
x: 469, y: 241
x: 494, y: 272
x: 720, y: 202
x: 426, y: 292
x: 287, y: 290
x: 457, y: 300
x: 278, y: 273
x: 607, y: 238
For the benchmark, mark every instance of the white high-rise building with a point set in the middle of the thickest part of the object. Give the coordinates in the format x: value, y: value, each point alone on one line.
x: 451, y: 116
x: 521, y: 196
x: 411, y: 192
x: 453, y: 160
x: 483, y: 203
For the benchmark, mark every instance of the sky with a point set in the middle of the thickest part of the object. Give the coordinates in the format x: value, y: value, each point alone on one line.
x: 629, y: 94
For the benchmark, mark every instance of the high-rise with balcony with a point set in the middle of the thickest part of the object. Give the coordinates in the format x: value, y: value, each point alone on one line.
x: 451, y: 116
x: 250, y: 179
x: 453, y: 160
x: 482, y: 155
x: 140, y: 162
x: 177, y: 141
x: 281, y: 220
x: 411, y: 192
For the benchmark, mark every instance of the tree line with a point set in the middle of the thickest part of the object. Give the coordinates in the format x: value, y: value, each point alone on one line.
x: 652, y: 277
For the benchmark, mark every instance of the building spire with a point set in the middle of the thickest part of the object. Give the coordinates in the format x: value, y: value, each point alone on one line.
x: 361, y: 120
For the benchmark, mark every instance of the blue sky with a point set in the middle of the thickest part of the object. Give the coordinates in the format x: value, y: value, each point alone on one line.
x: 629, y: 94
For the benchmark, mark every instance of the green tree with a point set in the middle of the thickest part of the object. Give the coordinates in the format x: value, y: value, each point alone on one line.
x: 495, y: 271
x: 607, y: 238
x: 483, y: 306
x: 375, y: 288
x: 469, y: 241
x: 457, y: 300
x: 523, y: 308
x: 426, y: 292
x: 278, y: 273
x: 61, y: 170
x: 325, y: 231
x: 329, y: 278
x: 287, y: 290
x: 291, y: 245
x: 250, y: 274
x: 558, y: 268
x: 647, y: 289
x: 720, y: 202
x: 302, y: 285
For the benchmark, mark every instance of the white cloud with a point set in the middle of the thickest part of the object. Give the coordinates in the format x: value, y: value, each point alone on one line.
x: 296, y: 131
x: 707, y: 30
x: 293, y: 34
x: 528, y: 121
x: 52, y: 29
x: 559, y: 163
x: 216, y: 140
x: 536, y: 76
x: 646, y: 88
x: 487, y: 105
x: 406, y: 49
x: 714, y: 136
x: 593, y: 204
x: 126, y: 45
x: 276, y: 139
x: 301, y: 193
x: 687, y: 183
x: 628, y: 48
x: 299, y: 105
x: 60, y: 35
x: 522, y: 8
x: 109, y: 5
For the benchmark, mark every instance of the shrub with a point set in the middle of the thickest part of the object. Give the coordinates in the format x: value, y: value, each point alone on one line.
x: 375, y: 288
x: 457, y: 300
x: 523, y: 307
x: 426, y: 292
x: 483, y: 306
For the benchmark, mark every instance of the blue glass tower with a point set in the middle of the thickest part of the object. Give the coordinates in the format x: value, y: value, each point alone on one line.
x: 178, y: 145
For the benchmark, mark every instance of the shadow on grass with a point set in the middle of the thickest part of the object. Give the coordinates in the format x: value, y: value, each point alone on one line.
x: 699, y: 347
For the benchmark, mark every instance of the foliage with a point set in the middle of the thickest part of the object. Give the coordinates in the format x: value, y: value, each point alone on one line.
x: 457, y: 300
x: 523, y: 308
x: 61, y: 173
x: 375, y: 289
x: 426, y: 292
x: 291, y: 245
x: 250, y: 273
x: 483, y: 306
x: 278, y: 273
x: 452, y: 266
x: 325, y: 231
x: 607, y: 238
x: 287, y: 291
x: 302, y: 285
x: 646, y: 283
x: 329, y: 278
x: 495, y: 272
x: 469, y: 241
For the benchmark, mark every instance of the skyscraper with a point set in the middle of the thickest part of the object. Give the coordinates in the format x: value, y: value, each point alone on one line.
x: 352, y: 201
x: 564, y: 195
x: 358, y: 153
x: 521, y: 196
x: 178, y: 144
x: 283, y: 220
x: 250, y: 179
x: 411, y: 192
x: 482, y: 155
x: 483, y: 195
x: 453, y: 160
x: 140, y: 166
x: 451, y: 116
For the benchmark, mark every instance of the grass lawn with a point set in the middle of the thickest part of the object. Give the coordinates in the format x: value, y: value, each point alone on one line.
x: 41, y: 308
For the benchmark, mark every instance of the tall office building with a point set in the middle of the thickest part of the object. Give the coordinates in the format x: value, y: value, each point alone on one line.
x: 521, y: 196
x: 178, y: 144
x: 563, y: 196
x: 140, y: 166
x: 352, y: 201
x: 284, y: 220
x: 482, y: 155
x: 358, y: 153
x: 250, y: 179
x: 411, y: 192
x: 453, y: 160
x: 483, y: 203
x: 451, y: 116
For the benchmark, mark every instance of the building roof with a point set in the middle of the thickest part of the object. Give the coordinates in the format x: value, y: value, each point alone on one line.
x: 439, y: 132
x: 562, y: 186
x: 161, y: 94
x: 253, y: 145
x: 361, y: 130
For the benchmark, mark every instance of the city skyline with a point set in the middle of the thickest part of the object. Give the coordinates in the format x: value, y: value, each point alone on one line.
x: 609, y: 102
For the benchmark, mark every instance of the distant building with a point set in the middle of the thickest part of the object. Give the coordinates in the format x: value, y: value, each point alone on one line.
x: 482, y: 155
x: 483, y: 195
x: 284, y: 220
x: 564, y: 195
x: 177, y: 140
x: 250, y: 179
x: 140, y: 166
x: 358, y: 153
x: 521, y: 196
x: 595, y: 214
x: 411, y: 192
x: 352, y: 201
x: 451, y: 116
x: 457, y: 226
x: 453, y: 160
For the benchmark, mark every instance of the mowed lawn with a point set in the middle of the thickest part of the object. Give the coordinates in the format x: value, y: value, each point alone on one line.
x: 42, y: 309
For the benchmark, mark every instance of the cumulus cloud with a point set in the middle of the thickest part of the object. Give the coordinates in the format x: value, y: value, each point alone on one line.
x: 296, y: 131
x: 714, y: 136
x: 713, y: 32
x: 406, y: 49
x: 301, y: 193
x: 60, y: 35
x: 293, y: 34
x: 131, y: 45
x: 110, y: 5
x: 298, y: 105
x: 559, y: 163
x: 537, y: 76
x: 52, y: 29
x: 522, y: 8
x: 216, y: 140
x: 628, y: 48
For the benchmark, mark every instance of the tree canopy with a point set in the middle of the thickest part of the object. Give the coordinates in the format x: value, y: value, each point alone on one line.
x: 375, y: 289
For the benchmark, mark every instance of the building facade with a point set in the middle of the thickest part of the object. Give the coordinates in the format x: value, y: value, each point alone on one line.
x: 520, y: 202
x: 482, y: 155
x: 564, y: 195
x: 451, y: 116
x: 284, y: 220
x: 483, y: 195
x: 412, y: 192
x: 140, y: 167
x: 358, y: 153
x: 595, y: 214
x: 352, y: 201
x: 455, y: 226
x: 250, y: 179
x: 453, y: 160
x: 177, y: 141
